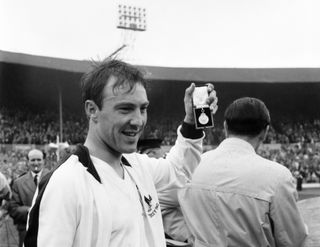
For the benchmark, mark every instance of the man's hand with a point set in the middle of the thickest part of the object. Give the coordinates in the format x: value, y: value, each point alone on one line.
x: 212, y: 101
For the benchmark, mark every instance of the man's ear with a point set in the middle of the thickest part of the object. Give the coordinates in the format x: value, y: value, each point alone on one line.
x: 91, y: 110
x: 225, y: 126
x: 264, y: 133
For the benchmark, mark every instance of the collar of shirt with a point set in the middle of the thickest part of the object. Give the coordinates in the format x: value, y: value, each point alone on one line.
x: 39, y: 174
x: 238, y: 144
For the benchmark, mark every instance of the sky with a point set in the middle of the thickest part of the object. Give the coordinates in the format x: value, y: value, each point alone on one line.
x: 179, y: 33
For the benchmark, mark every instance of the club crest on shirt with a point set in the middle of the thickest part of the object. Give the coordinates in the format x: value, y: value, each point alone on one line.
x: 148, y: 200
x: 152, y: 208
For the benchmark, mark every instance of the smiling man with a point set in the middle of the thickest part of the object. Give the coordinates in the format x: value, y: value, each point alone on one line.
x: 106, y: 194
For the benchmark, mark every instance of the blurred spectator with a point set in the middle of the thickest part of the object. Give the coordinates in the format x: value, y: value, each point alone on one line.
x: 151, y: 147
x: 5, y: 191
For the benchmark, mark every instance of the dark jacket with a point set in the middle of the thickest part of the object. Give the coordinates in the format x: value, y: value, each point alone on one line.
x: 23, y: 189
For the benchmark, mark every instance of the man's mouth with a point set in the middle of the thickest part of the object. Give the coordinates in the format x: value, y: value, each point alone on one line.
x: 130, y: 133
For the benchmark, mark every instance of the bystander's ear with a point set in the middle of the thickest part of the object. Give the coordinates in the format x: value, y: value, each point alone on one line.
x: 91, y: 110
x: 225, y: 127
x: 264, y: 133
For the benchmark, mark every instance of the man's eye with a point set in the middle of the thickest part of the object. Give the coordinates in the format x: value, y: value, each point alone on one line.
x: 125, y: 109
x: 144, y: 109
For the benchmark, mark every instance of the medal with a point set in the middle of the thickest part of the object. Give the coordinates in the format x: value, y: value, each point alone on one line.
x: 202, y: 113
x: 203, y: 118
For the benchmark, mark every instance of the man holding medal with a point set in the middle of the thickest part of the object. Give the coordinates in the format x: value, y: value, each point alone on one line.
x: 106, y: 194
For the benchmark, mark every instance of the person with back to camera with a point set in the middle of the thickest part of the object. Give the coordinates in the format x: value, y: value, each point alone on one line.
x: 106, y: 194
x: 236, y: 197
x: 23, y: 190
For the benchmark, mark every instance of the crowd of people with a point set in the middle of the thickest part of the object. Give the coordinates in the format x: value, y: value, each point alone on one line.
x: 22, y: 126
x: 302, y: 159
x: 299, y: 150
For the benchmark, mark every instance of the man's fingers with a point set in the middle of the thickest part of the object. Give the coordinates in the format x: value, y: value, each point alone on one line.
x: 190, y: 89
x: 210, y: 87
x: 212, y: 99
x: 213, y: 108
x: 213, y: 102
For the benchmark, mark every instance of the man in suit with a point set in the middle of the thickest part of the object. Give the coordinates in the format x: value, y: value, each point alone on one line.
x: 23, y: 189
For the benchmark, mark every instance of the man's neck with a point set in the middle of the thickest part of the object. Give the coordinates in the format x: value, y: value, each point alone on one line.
x: 36, y: 173
x: 104, y: 153
x: 254, y: 141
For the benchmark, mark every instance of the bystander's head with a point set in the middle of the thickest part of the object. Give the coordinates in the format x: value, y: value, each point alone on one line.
x: 35, y: 160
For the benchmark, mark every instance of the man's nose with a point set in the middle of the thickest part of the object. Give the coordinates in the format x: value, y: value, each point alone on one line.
x: 137, y: 119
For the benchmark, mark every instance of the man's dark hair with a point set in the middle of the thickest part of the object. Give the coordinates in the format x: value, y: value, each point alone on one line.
x: 247, y: 116
x: 94, y: 81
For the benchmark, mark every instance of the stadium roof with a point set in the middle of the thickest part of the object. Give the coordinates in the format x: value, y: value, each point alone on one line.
x: 176, y: 74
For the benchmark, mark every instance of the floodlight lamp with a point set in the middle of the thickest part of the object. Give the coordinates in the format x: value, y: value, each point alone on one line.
x: 134, y: 18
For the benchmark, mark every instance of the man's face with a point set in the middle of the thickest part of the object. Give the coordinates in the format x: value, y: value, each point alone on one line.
x: 35, y: 161
x: 122, y: 117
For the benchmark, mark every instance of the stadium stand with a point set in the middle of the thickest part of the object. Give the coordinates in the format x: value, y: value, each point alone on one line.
x: 30, y: 87
x: 35, y: 83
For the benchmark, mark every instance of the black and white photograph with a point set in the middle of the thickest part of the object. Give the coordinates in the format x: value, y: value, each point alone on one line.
x: 144, y: 123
